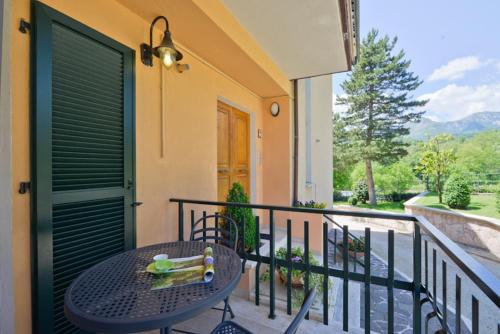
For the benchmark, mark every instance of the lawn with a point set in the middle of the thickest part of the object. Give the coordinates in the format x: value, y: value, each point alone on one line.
x: 383, y: 206
x: 481, y: 204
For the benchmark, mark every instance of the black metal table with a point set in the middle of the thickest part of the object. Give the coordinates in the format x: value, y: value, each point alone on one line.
x: 115, y: 295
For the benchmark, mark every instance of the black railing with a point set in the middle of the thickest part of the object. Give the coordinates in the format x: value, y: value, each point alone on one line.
x: 335, y: 243
x: 485, y: 281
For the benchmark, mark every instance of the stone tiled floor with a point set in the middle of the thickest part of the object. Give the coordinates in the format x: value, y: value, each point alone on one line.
x: 255, y: 318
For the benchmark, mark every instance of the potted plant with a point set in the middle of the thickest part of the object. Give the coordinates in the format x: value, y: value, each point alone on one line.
x: 310, y: 204
x: 356, y: 247
x: 297, y: 257
x: 298, y: 276
x: 237, y: 195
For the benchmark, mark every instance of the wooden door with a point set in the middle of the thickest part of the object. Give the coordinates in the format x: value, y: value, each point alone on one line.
x: 233, y: 149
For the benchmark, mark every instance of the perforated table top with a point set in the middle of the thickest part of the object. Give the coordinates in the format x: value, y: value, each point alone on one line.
x: 115, y: 295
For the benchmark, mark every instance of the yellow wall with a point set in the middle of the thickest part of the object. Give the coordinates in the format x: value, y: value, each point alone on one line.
x: 182, y: 164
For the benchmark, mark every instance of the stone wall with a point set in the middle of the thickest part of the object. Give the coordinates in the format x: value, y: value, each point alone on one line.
x: 470, y: 230
x: 391, y: 224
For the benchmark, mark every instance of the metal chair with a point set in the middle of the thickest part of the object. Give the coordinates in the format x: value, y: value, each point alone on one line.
x: 230, y: 327
x: 225, y: 234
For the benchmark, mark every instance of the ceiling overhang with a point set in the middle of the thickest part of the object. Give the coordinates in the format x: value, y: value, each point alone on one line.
x: 207, y: 30
x: 259, y: 43
x: 304, y: 38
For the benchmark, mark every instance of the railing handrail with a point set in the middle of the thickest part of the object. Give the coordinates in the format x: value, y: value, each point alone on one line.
x: 378, y: 215
x: 479, y: 274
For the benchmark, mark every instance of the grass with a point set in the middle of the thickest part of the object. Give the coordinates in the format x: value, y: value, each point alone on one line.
x: 383, y: 206
x: 480, y: 204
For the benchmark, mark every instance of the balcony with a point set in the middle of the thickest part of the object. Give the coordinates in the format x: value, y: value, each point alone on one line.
x: 402, y: 283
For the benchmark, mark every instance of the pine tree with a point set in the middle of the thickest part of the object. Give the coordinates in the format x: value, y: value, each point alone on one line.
x: 379, y: 104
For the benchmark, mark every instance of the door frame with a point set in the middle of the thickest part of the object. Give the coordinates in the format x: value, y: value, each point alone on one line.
x: 42, y: 17
x: 252, y: 138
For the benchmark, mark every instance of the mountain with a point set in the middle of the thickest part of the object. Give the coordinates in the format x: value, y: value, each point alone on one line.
x: 467, y: 126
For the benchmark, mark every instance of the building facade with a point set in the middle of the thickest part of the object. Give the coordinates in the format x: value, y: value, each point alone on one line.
x: 172, y: 134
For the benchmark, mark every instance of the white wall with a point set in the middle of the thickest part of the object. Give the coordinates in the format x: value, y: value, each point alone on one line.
x: 6, y: 286
x: 315, y: 179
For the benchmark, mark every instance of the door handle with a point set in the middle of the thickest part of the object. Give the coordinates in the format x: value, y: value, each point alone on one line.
x: 136, y: 204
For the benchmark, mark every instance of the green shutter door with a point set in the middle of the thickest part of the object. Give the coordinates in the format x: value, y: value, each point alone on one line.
x: 83, y: 178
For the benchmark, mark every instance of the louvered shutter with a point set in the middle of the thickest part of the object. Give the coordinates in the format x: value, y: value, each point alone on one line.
x: 83, y: 171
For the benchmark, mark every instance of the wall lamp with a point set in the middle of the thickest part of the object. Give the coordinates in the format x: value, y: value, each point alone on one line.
x: 166, y: 51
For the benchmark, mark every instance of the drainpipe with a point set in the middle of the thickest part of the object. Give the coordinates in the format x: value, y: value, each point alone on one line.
x: 295, y: 141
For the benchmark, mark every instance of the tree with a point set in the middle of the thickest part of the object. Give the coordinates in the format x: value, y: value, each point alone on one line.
x: 437, y: 161
x: 343, y: 162
x: 393, y: 179
x: 481, y: 153
x: 379, y: 103
x: 398, y: 178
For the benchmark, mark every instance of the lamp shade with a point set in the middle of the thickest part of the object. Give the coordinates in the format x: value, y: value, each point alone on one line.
x: 166, y: 51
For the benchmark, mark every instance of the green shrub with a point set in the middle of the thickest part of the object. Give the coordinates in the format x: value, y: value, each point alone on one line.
x: 352, y: 200
x: 498, y: 199
x: 360, y: 191
x: 485, y: 188
x: 310, y: 204
x: 338, y: 197
x: 237, y: 195
x: 457, y: 192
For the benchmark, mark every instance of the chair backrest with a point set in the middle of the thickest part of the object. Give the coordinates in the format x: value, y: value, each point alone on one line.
x: 224, y: 230
x: 308, y: 300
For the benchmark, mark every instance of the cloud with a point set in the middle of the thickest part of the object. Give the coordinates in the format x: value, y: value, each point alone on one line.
x: 453, y: 102
x: 456, y: 68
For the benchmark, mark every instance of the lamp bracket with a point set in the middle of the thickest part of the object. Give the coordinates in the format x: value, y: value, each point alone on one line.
x: 146, y: 54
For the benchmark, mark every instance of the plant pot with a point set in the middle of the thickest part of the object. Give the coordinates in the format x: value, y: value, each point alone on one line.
x: 297, y: 282
x: 357, y: 255
x: 353, y: 254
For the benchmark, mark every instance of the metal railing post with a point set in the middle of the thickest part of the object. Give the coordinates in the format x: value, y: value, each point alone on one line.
x: 417, y: 267
x: 390, y: 284
x: 325, y: 273
x: 367, y: 279
x: 181, y: 221
x: 257, y: 268
x: 289, y: 266
x: 306, y: 260
x: 345, y: 284
x: 272, y: 266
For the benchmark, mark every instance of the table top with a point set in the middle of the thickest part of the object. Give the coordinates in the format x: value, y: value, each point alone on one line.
x: 115, y: 295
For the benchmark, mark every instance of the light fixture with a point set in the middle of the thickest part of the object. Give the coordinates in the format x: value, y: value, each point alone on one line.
x: 275, y: 109
x: 166, y: 51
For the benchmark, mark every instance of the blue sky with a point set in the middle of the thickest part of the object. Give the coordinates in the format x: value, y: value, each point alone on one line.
x: 454, y: 47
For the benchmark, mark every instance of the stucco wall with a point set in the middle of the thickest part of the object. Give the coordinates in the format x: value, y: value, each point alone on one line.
x: 175, y: 145
x: 320, y: 186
